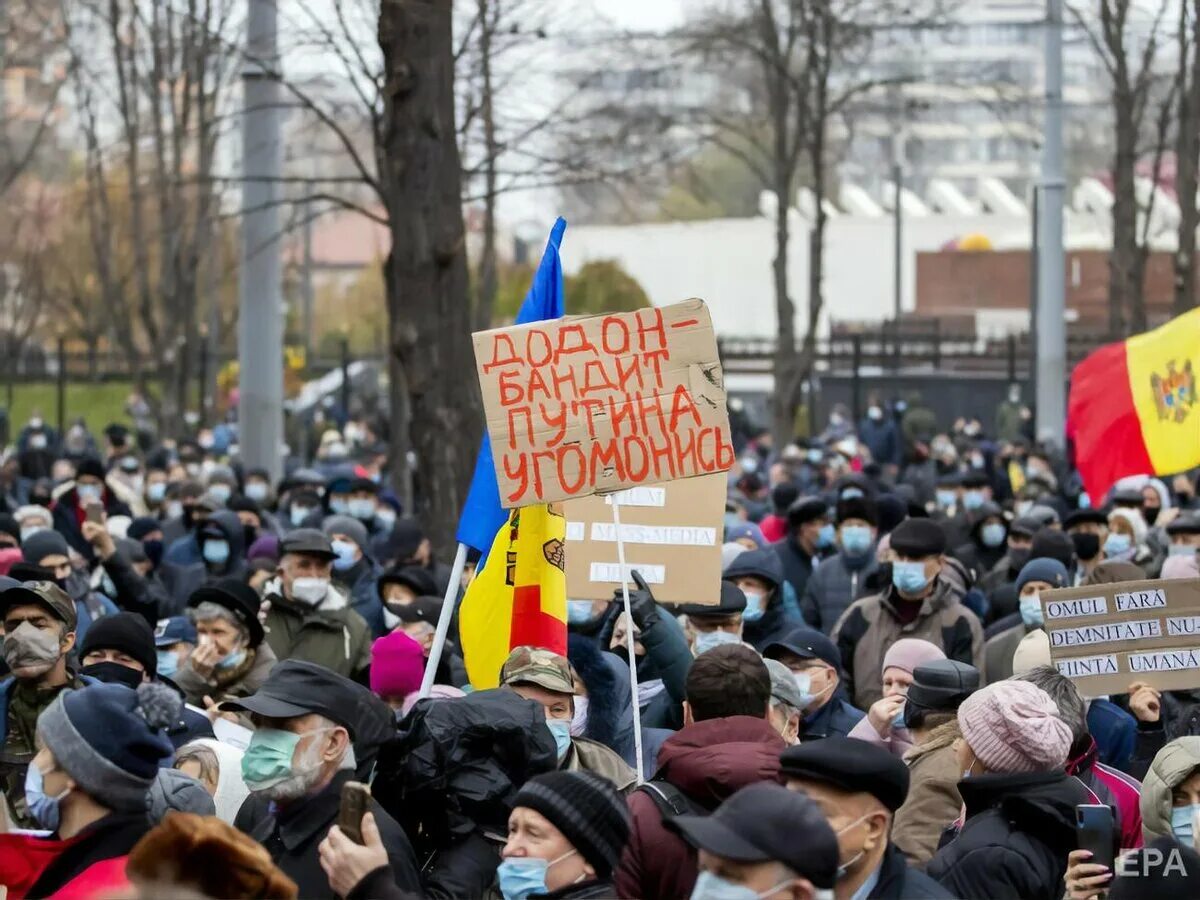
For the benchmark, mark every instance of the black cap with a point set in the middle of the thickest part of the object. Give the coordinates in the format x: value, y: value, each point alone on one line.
x: 422, y: 609
x: 918, y: 538
x: 805, y: 510
x: 764, y: 564
x: 1054, y: 544
x: 417, y: 579
x: 1026, y: 526
x: 732, y: 601
x: 891, y: 509
x: 949, y: 480
x: 856, y: 508
x: 358, y: 485
x: 761, y: 823
x: 41, y: 593
x: 975, y: 480
x: 1188, y: 523
x: 850, y: 765
x: 237, y: 597
x: 939, y: 686
x: 1128, y: 497
x: 1089, y: 516
x: 126, y: 632
x: 309, y: 541
x: 297, y: 688
x: 807, y: 643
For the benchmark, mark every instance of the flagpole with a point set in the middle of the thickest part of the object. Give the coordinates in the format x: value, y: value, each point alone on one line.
x: 449, y: 602
x: 633, y: 680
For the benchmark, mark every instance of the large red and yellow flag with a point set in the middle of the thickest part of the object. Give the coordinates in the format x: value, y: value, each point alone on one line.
x: 520, y: 596
x: 1132, y: 408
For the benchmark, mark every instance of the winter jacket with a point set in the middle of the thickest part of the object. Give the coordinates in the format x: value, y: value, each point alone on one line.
x: 242, y: 681
x: 835, y: 583
x: 898, y: 881
x: 779, y: 617
x: 361, y: 583
x: 998, y: 653
x: 91, y: 864
x: 331, y: 635
x: 837, y: 718
x: 1112, y: 788
x: 594, y: 757
x: 797, y: 565
x: 1115, y: 731
x: 933, y: 801
x: 145, y: 595
x: 669, y: 657
x: 708, y: 761
x: 605, y: 677
x: 882, y: 438
x: 1171, y: 767
x: 1015, y: 838
x: 869, y: 627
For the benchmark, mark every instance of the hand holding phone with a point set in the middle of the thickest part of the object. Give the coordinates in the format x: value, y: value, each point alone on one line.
x: 1096, y: 832
x: 94, y: 512
x: 356, y: 802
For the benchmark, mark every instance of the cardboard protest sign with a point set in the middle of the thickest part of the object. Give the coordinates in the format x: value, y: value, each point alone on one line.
x: 672, y: 534
x: 593, y: 404
x: 1107, y: 636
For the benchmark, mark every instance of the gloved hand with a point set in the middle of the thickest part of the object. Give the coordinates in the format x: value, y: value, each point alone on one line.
x: 641, y: 602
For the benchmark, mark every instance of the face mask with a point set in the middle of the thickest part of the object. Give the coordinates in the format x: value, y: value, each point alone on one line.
x: 156, y: 491
x: 222, y: 492
x: 174, y: 510
x: 390, y: 619
x: 256, y: 491
x: 88, y: 492
x: 168, y: 663
x: 1031, y: 610
x: 826, y: 536
x: 909, y: 577
x: 37, y: 441
x: 731, y: 520
x: 945, y: 499
x: 339, y: 506
x: 875, y: 413
x: 1022, y: 507
x: 579, y: 720
x: 710, y: 886
x: 268, y: 758
x: 579, y: 611
x: 851, y: 493
x: 1150, y: 513
x: 1018, y: 556
x: 362, y: 508
x: 386, y: 516
x: 154, y: 551
x: 1182, y: 818
x: 1084, y: 501
x: 804, y: 686
x: 561, y: 729
x: 298, y: 514
x: 706, y: 640
x: 856, y: 539
x: 107, y: 587
x: 1181, y: 550
x: 345, y: 551
x: 520, y: 877
x: 310, y: 591
x: 1117, y: 544
x: 45, y: 810
x: 755, y: 606
x: 992, y: 534
x: 30, y: 648
x: 1086, y: 545
x: 815, y: 456
x: 898, y: 720
x: 232, y: 661
x: 216, y: 552
x: 113, y: 673
x: 973, y: 500
x: 30, y: 531
x: 844, y: 868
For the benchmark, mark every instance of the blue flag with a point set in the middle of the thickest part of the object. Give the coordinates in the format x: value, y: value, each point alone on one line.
x: 482, y: 514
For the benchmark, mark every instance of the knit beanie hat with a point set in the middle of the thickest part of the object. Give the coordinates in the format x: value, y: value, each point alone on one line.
x: 908, y: 653
x: 38, y: 546
x: 110, y: 739
x: 1044, y: 569
x: 587, y: 809
x: 397, y: 665
x: 1033, y: 651
x: 126, y: 632
x: 350, y: 527
x: 1013, y: 726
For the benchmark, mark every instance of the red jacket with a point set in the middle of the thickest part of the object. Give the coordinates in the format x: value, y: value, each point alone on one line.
x: 89, y: 865
x: 1114, y: 788
x: 708, y: 761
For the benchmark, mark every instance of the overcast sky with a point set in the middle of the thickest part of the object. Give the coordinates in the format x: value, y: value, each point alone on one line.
x: 644, y: 14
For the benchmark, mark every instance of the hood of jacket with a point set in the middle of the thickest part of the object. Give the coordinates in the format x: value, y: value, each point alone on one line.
x: 710, y: 760
x: 1041, y: 803
x: 228, y: 523
x: 1170, y: 768
x: 231, y: 789
x: 940, y: 738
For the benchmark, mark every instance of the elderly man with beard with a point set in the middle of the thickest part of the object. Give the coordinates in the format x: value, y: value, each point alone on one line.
x: 299, y: 758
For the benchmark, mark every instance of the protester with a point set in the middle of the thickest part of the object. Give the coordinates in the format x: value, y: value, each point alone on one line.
x: 917, y: 604
x: 842, y: 578
x: 759, y: 575
x: 231, y: 658
x: 1171, y: 791
x: 176, y: 791
x: 884, y: 724
x: 859, y: 787
x: 816, y: 665
x: 1037, y: 575
x: 787, y: 703
x: 1088, y: 530
x: 727, y: 742
x: 711, y: 625
x: 809, y: 533
x: 49, y: 551
x: 355, y: 572
x: 174, y: 640
x: 299, y: 758
x: 218, y: 767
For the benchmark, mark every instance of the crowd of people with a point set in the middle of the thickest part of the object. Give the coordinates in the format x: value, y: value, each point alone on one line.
x: 198, y: 661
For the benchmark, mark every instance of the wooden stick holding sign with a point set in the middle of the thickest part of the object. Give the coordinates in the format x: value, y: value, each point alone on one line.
x: 629, y: 640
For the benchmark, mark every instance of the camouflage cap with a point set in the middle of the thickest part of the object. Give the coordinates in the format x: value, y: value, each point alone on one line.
x: 41, y: 593
x: 536, y: 665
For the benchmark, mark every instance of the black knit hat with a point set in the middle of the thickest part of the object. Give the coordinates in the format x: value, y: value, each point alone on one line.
x: 587, y: 809
x: 127, y: 632
x: 917, y: 538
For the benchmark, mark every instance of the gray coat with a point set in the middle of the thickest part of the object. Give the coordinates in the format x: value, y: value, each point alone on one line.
x: 832, y: 587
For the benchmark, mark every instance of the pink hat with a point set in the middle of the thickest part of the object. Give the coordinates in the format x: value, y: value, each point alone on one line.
x: 397, y: 665
x: 1013, y: 726
x: 908, y: 653
x: 1180, y: 567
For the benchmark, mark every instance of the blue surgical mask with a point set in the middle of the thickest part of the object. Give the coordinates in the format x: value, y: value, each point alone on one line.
x: 519, y: 877
x: 945, y: 499
x: 856, y: 539
x: 107, y: 587
x: 45, y: 810
x: 88, y: 492
x: 222, y: 492
x: 156, y: 491
x: 1182, y: 818
x: 1116, y: 544
x: 756, y: 605
x: 1031, y: 611
x: 1085, y: 502
x: 168, y: 663
x: 815, y: 456
x: 362, y: 508
x: 579, y: 611
x: 731, y: 520
x: 232, y: 661
x: 909, y: 577
x: 826, y: 536
x: 257, y: 491
x: 561, y: 729
x: 345, y: 551
x: 706, y: 640
x: 338, y: 506
x: 1181, y: 550
x: 215, y: 552
x: 992, y: 534
x: 973, y: 499
x: 298, y: 514
x: 386, y: 517
x: 898, y: 720
x: 851, y: 492
x: 710, y: 886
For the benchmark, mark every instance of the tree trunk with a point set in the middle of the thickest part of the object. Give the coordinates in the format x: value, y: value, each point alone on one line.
x: 783, y: 398
x: 1122, y: 261
x: 427, y: 289
x: 485, y: 300
x: 1187, y: 158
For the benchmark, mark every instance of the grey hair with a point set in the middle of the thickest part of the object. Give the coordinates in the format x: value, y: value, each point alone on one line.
x: 208, y: 611
x: 1072, y: 709
x: 349, y: 761
x: 205, y: 757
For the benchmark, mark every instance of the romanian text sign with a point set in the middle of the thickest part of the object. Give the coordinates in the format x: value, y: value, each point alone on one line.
x: 672, y: 534
x: 594, y: 404
x: 1107, y: 636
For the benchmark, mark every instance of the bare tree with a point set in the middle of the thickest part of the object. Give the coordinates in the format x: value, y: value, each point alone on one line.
x: 1187, y: 152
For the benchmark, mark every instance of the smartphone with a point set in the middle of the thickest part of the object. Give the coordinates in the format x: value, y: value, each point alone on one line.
x: 356, y: 803
x: 95, y: 513
x: 1096, y: 831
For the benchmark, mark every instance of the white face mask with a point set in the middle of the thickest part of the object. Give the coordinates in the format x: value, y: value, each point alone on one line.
x: 310, y: 591
x: 579, y: 720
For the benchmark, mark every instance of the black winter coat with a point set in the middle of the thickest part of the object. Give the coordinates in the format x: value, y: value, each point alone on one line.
x: 898, y: 881
x: 1015, y: 840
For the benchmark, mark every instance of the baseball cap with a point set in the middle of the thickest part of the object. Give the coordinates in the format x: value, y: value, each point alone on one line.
x: 765, y: 822
x: 174, y: 630
x: 42, y: 593
x: 538, y: 666
x: 296, y: 688
x: 807, y: 643
x: 783, y: 684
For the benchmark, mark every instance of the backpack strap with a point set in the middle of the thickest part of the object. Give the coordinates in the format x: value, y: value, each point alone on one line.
x: 670, y: 800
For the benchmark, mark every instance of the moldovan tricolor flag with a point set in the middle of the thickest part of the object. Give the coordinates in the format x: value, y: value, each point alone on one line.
x: 1132, y: 409
x: 519, y: 597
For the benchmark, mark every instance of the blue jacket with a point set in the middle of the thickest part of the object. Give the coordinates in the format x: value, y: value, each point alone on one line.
x: 837, y: 717
x: 85, y: 617
x: 834, y: 584
x: 361, y: 583
x: 882, y: 438
x: 1115, y: 733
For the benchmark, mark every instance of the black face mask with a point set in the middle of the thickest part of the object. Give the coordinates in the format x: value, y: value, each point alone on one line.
x: 113, y: 673
x: 1087, y: 545
x: 154, y: 552
x: 1151, y: 513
